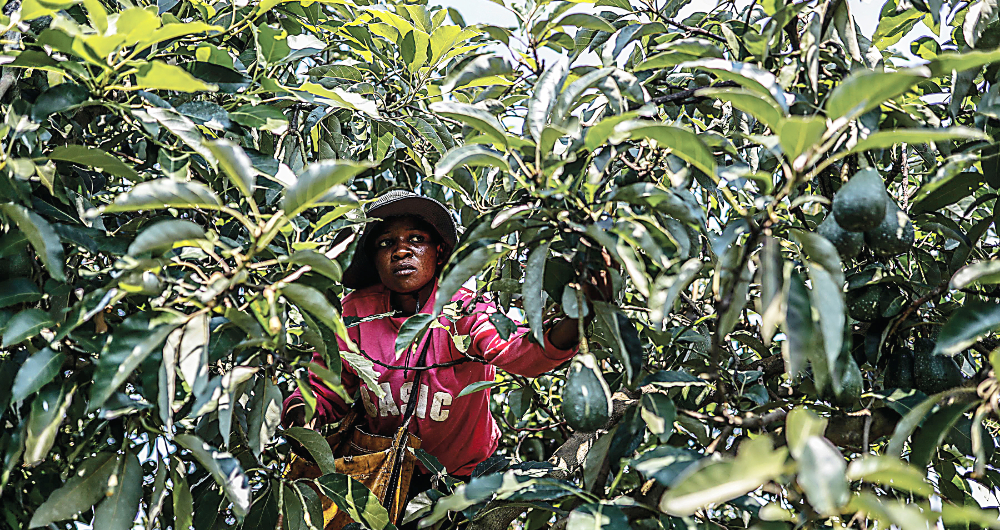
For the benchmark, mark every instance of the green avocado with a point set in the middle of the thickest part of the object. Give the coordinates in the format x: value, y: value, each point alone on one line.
x: 868, y: 302
x: 848, y: 243
x: 894, y: 235
x: 899, y: 370
x: 586, y: 398
x: 859, y: 205
x: 933, y: 373
x: 851, y: 385
x: 531, y: 450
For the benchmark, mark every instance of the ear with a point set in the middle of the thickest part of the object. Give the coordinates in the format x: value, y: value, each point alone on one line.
x: 440, y: 254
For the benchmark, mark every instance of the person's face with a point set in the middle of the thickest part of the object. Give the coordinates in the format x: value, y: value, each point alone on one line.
x: 406, y: 256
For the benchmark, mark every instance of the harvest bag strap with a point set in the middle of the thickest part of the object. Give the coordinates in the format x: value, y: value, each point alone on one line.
x: 411, y: 405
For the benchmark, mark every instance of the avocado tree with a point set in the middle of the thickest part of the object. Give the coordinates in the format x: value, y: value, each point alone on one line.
x: 802, y: 224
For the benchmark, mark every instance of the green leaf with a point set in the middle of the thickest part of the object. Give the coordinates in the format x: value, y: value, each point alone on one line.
x: 118, y: 511
x: 182, y: 127
x: 746, y: 75
x: 476, y: 118
x: 658, y: 412
x: 318, y: 262
x: 933, y: 432
x: 763, y: 108
x: 94, y: 157
x: 219, y: 390
x: 59, y: 98
x: 955, y: 516
x: 18, y: 291
x: 264, y: 414
x: 32, y: 9
x: 584, y: 20
x: 172, y: 31
x: 866, y: 89
x: 235, y: 163
x: 340, y: 98
x: 87, y: 486
x: 680, y: 51
x: 713, y: 482
x: 977, y: 18
x: 946, y: 63
x: 42, y: 236
x: 262, y: 117
x: 487, y: 65
x: 164, y: 193
x: 317, y: 446
x: 25, y: 325
x: 181, y: 493
x: 597, y: 516
x: 982, y: 273
x: 314, y: 183
x: 893, y: 24
x: 473, y: 155
x: 547, y: 89
x: 683, y: 143
x: 48, y: 410
x: 570, y: 96
x: 478, y: 386
x: 665, y: 290
x: 43, y: 366
x: 967, y: 325
x: 158, y: 75
x: 412, y: 331
x: 891, y: 472
x: 224, y: 469
x: 313, y: 301
x: 901, y: 514
x: 533, y: 293
x: 801, y: 424
x: 131, y: 343
x: 799, y: 133
x: 821, y: 476
x: 888, y: 138
x: 164, y: 235
x: 355, y: 499
x: 907, y: 425
x: 189, y: 347
x: 309, y: 505
x: 456, y: 274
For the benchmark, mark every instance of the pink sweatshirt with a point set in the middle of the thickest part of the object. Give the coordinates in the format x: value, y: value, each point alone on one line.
x: 459, y: 431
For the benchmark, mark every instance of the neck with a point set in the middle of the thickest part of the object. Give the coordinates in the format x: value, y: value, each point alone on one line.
x: 410, y: 303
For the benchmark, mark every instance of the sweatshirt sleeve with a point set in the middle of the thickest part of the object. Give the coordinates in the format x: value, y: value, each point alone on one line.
x: 518, y: 354
x: 330, y: 407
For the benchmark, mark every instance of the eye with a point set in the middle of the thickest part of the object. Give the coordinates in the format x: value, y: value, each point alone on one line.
x: 383, y: 243
x: 418, y: 238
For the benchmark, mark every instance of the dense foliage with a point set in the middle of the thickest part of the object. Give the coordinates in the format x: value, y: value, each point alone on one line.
x: 173, y: 175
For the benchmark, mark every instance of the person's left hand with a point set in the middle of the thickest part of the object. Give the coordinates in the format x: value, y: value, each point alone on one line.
x: 598, y: 285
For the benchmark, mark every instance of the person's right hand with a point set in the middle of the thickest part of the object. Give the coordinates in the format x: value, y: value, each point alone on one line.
x: 295, y: 416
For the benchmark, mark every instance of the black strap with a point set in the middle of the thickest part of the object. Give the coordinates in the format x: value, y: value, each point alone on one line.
x: 411, y: 403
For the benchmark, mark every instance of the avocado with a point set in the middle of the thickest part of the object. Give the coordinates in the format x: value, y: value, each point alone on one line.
x: 531, y: 449
x: 851, y: 383
x: 934, y: 373
x: 859, y: 205
x: 848, y: 243
x: 894, y: 235
x: 899, y: 370
x: 867, y: 303
x: 586, y: 397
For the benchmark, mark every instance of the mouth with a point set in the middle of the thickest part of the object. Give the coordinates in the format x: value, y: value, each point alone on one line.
x: 404, y: 270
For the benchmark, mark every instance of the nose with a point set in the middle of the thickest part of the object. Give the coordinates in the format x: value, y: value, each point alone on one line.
x: 401, y: 250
